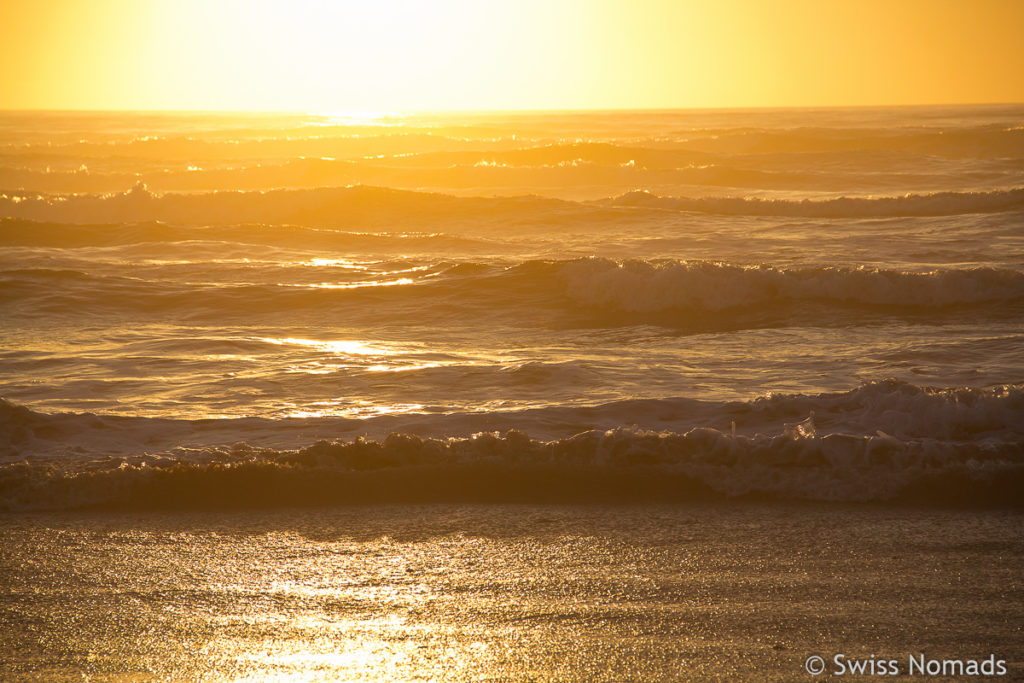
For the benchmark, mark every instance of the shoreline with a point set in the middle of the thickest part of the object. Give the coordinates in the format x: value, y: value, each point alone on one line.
x: 509, y: 592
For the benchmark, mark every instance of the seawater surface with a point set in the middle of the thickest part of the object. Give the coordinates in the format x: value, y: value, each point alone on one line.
x: 582, y: 396
x: 821, y: 304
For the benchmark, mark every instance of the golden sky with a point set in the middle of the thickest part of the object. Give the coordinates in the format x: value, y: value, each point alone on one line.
x: 399, y: 55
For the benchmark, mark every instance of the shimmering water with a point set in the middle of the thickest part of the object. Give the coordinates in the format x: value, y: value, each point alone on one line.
x: 547, y: 593
x: 509, y: 397
x: 860, y: 272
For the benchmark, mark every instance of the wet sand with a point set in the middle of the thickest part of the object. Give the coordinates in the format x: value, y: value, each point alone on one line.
x: 505, y: 592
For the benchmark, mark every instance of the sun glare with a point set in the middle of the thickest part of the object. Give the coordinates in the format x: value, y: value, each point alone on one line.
x: 404, y: 55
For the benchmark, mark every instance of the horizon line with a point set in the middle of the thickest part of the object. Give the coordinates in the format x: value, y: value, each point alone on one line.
x: 383, y: 113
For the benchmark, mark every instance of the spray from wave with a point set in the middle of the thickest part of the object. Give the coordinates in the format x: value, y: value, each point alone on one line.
x: 365, y: 205
x: 886, y: 441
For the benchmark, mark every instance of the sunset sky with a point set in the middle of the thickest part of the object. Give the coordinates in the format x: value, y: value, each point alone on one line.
x: 387, y: 55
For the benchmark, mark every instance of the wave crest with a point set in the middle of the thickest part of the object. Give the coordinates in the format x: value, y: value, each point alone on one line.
x: 612, y: 466
x: 886, y: 441
x: 367, y: 205
x: 933, y: 204
x: 645, y: 286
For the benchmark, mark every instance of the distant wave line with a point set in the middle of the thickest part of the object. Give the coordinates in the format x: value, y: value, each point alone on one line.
x: 360, y: 205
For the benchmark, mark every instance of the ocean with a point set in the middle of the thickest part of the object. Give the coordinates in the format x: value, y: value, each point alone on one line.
x: 290, y: 397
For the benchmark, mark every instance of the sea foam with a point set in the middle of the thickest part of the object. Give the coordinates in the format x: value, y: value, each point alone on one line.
x: 886, y: 441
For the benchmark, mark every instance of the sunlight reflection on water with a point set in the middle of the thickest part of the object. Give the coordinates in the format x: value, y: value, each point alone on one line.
x: 507, y: 592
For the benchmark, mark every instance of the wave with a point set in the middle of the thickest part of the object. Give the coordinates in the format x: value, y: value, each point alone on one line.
x: 585, y: 291
x: 328, y: 206
x: 234, y: 239
x: 961, y: 446
x: 646, y: 286
x: 227, y: 146
x: 482, y: 171
x: 537, y: 142
x: 933, y: 204
x: 366, y: 205
x: 593, y: 168
x: 978, y: 141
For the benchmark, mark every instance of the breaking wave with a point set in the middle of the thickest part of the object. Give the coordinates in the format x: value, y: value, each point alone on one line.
x: 933, y: 204
x: 350, y: 142
x: 367, y: 205
x: 886, y: 441
x: 654, y: 286
x: 328, y: 206
x: 531, y: 291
